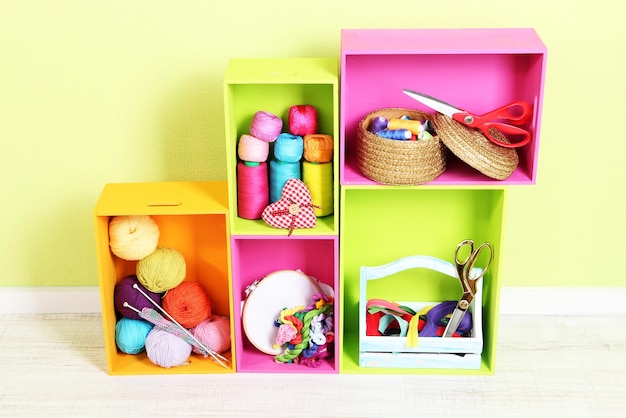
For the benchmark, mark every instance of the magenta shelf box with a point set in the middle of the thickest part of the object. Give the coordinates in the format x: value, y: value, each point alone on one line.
x: 475, y: 69
x: 256, y: 256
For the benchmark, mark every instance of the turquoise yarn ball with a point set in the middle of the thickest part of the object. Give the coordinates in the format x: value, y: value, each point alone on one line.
x: 289, y: 148
x: 131, y: 334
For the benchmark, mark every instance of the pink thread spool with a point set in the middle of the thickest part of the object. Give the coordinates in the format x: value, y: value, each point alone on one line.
x: 253, y: 149
x: 252, y: 190
x: 302, y: 120
x: 266, y: 126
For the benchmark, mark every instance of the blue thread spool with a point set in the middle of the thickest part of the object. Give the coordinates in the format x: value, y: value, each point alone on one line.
x: 378, y: 124
x: 280, y: 172
x: 398, y: 134
x: 288, y: 148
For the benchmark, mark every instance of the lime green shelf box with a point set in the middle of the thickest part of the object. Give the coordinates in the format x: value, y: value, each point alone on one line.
x: 274, y: 85
x: 383, y: 224
x: 192, y: 218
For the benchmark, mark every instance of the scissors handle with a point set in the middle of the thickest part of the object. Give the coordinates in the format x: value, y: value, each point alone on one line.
x: 466, y: 265
x: 517, y: 113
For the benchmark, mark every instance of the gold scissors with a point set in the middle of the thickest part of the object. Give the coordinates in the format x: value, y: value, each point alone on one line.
x: 468, y: 282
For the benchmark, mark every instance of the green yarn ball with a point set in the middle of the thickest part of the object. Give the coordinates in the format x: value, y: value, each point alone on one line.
x: 162, y: 270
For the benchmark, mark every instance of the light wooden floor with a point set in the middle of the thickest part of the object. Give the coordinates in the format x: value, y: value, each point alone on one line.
x: 556, y: 366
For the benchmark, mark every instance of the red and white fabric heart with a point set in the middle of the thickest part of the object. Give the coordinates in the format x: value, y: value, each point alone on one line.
x: 293, y: 210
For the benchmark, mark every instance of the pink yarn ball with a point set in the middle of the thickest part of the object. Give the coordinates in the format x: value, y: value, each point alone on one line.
x: 302, y: 120
x: 266, y: 126
x: 253, y: 149
x: 213, y: 332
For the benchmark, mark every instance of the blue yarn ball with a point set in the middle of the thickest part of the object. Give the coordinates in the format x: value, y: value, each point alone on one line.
x: 130, y: 335
x: 289, y: 148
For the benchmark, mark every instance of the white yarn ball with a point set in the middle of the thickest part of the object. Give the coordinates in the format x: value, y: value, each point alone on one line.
x: 165, y: 349
x: 133, y: 237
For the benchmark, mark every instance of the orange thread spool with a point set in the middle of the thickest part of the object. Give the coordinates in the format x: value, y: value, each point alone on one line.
x: 188, y: 304
x: 318, y: 148
x: 415, y: 126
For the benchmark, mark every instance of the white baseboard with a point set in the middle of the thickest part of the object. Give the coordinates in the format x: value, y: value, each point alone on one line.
x: 513, y: 300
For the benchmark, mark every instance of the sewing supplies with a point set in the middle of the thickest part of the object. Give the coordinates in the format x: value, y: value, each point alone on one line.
x: 165, y: 349
x: 124, y: 292
x: 252, y: 149
x: 266, y: 297
x: 188, y: 303
x: 318, y: 178
x: 162, y: 270
x: 302, y: 120
x: 518, y: 113
x: 464, y: 267
x: 288, y: 148
x: 133, y: 237
x: 252, y: 189
x: 213, y: 332
x: 130, y: 335
x: 280, y: 173
x: 266, y: 126
x: 293, y: 210
x: 318, y: 148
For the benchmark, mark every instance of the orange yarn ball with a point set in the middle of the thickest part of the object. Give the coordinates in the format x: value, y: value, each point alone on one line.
x: 318, y: 148
x: 188, y: 304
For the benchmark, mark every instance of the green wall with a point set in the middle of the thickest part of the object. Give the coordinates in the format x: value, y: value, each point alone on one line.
x: 126, y: 91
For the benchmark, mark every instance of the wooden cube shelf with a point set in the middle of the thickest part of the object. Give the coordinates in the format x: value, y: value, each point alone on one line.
x: 193, y: 219
x: 383, y: 224
x: 253, y: 258
x: 274, y: 85
x: 475, y: 69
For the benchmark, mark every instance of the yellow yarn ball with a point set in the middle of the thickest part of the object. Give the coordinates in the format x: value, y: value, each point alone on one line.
x: 162, y: 270
x: 133, y: 237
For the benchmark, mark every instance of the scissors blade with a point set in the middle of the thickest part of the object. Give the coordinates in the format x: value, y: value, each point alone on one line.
x: 435, y: 104
x: 454, y: 322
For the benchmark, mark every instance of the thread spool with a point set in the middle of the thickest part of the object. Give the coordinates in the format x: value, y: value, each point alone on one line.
x: 252, y: 190
x: 415, y: 126
x: 124, y: 292
x: 319, y: 179
x: 133, y: 237
x: 398, y: 134
x: 165, y: 349
x: 280, y: 172
x: 162, y: 270
x: 318, y: 148
x: 266, y: 126
x: 288, y: 148
x: 378, y: 124
x: 131, y: 334
x: 188, y: 304
x: 213, y: 332
x: 251, y: 148
x: 302, y: 120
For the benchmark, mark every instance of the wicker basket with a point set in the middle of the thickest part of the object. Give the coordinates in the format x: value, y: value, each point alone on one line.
x: 395, y: 162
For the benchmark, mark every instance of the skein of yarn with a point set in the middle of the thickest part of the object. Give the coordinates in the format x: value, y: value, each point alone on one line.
x: 266, y: 126
x: 133, y: 237
x: 162, y: 270
x: 302, y: 120
x: 252, y: 190
x: 124, y: 292
x: 288, y: 148
x: 131, y: 334
x: 188, y: 304
x: 213, y: 332
x: 165, y: 349
x: 318, y: 148
x: 252, y: 149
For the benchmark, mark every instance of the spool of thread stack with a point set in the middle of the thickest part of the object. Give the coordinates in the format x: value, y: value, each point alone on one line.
x: 252, y: 190
x: 317, y: 171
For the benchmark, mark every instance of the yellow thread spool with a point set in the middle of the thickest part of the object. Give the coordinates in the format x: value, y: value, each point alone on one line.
x: 415, y: 126
x: 319, y: 179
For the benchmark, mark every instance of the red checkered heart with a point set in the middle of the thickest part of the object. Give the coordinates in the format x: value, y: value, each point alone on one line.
x: 293, y: 210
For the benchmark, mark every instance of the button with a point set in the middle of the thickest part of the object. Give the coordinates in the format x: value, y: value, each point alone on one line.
x: 294, y: 208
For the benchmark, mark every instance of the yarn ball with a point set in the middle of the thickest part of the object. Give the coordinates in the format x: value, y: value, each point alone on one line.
x: 188, y: 304
x: 266, y: 126
x: 252, y: 149
x: 133, y: 237
x: 165, y: 349
x: 131, y: 334
x: 302, y: 120
x: 124, y: 292
x: 162, y: 270
x: 213, y: 332
x: 288, y: 148
x: 318, y: 148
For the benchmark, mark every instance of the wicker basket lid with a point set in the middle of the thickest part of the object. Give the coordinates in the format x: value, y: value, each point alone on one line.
x: 471, y: 146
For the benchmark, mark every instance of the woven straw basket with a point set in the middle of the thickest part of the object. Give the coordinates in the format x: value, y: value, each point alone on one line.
x: 396, y: 162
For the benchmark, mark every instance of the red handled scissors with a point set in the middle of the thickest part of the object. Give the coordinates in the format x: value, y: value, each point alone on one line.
x: 518, y: 113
